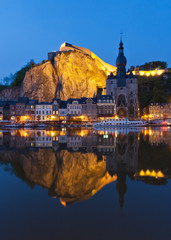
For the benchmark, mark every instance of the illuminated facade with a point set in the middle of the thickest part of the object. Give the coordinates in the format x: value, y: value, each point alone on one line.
x: 123, y: 88
x: 89, y: 108
x: 160, y: 110
x: 74, y: 107
x: 43, y: 111
x: 106, y: 106
x: 148, y: 73
x: 30, y: 109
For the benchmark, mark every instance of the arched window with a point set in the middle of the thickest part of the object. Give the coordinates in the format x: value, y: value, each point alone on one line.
x: 121, y: 100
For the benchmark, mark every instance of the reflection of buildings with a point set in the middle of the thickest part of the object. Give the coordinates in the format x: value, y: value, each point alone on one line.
x: 158, y: 136
x: 74, y: 165
x: 42, y: 139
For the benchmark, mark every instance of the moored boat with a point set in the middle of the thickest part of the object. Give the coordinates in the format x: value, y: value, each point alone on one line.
x: 119, y: 122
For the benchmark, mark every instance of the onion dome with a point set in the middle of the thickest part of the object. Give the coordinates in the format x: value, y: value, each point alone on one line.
x: 121, y: 59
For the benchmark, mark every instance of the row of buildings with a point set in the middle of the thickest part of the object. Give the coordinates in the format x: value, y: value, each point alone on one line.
x: 84, y: 109
x: 26, y: 109
x: 157, y: 111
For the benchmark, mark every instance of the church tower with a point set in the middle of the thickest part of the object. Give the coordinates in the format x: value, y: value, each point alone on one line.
x: 123, y: 88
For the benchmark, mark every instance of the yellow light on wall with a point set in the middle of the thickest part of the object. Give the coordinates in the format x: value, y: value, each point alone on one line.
x: 160, y: 174
x: 159, y: 72
x: 142, y: 173
x: 147, y: 173
x: 153, y: 174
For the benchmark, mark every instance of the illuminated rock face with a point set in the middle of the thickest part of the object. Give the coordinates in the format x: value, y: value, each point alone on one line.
x: 40, y: 83
x: 76, y: 73
x: 79, y: 74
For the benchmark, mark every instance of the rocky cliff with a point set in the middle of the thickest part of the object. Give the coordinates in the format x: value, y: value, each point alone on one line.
x: 11, y: 93
x: 75, y: 72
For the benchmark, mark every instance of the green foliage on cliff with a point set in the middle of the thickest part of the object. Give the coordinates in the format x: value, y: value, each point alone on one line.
x: 19, y: 76
x: 154, y: 89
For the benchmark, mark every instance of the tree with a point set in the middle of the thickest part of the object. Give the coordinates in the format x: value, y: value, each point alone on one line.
x: 154, y: 65
x: 19, y: 76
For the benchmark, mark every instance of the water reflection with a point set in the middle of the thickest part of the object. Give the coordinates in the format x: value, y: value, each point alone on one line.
x: 74, y: 165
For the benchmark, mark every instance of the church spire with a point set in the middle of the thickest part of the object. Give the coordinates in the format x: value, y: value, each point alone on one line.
x: 121, y: 35
x: 121, y: 65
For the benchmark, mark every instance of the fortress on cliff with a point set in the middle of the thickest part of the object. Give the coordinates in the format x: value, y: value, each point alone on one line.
x: 67, y: 47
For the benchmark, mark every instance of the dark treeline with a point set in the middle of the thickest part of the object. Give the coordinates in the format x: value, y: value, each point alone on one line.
x: 154, y: 89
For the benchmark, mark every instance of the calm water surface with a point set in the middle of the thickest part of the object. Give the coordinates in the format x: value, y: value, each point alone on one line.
x: 85, y: 184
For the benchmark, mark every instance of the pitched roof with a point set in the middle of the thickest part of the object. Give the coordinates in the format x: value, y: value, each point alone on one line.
x: 23, y: 100
x: 63, y: 104
x: 44, y: 103
x: 111, y: 76
x: 70, y: 100
x: 105, y: 97
x: 32, y: 102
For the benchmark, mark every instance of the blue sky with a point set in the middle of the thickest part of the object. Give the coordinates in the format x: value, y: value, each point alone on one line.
x: 29, y: 29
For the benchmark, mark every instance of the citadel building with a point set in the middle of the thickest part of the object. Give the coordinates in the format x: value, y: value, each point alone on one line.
x: 123, y: 88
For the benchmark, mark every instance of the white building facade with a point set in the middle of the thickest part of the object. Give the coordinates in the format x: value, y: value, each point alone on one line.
x: 43, y: 111
x: 74, y: 107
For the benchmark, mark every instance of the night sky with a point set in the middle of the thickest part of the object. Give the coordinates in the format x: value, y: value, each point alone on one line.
x: 29, y: 29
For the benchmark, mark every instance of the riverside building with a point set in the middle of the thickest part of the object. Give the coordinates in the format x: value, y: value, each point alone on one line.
x: 43, y: 111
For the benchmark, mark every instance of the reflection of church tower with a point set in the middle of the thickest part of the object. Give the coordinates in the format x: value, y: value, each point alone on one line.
x: 123, y: 88
x: 123, y: 161
x: 121, y: 183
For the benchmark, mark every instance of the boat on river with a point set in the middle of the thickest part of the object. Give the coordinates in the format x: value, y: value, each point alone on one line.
x: 119, y: 122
